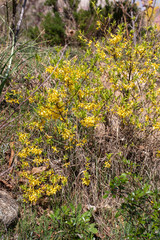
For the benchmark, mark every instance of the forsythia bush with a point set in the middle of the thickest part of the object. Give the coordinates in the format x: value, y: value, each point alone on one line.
x: 114, y: 77
x: 63, y: 115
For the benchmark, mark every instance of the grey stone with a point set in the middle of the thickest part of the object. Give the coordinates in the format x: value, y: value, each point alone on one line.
x: 8, y: 208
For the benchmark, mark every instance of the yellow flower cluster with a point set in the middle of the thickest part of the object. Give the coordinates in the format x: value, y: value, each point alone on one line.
x: 36, y: 124
x: 115, y: 39
x: 37, y: 186
x: 13, y: 96
x: 86, y: 178
x: 124, y: 112
x: 23, y: 136
x: 107, y: 164
x: 89, y: 121
x: 156, y: 125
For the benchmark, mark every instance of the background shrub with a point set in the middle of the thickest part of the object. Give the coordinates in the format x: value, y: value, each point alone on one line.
x: 54, y: 29
x: 33, y: 33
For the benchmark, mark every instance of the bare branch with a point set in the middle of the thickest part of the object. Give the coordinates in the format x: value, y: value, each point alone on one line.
x: 19, y: 22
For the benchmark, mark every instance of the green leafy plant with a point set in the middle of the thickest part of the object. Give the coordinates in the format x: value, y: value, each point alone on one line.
x: 65, y: 222
x: 140, y: 207
x: 71, y: 223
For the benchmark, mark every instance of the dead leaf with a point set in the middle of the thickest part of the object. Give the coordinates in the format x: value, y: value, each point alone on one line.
x: 36, y: 170
x: 11, y: 154
x: 6, y: 183
x: 23, y: 181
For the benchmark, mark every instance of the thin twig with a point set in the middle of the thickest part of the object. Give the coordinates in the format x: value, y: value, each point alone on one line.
x: 8, y: 170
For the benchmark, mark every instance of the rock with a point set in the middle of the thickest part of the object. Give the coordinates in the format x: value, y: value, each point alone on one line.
x: 101, y: 3
x: 84, y: 4
x: 8, y: 209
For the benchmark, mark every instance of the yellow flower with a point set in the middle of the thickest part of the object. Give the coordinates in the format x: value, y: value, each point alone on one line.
x: 50, y: 69
x: 98, y: 25
x: 115, y: 39
x: 66, y: 164
x: 25, y: 164
x: 156, y: 125
x: 33, y: 150
x: 53, y: 189
x: 55, y: 149
x: 23, y: 153
x: 90, y: 43
x: 158, y: 153
x: 31, y: 100
x: 53, y: 96
x: 33, y: 197
x: 64, y: 180
x: 85, y: 181
x: 86, y: 178
x: 107, y: 165
x: 23, y: 136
